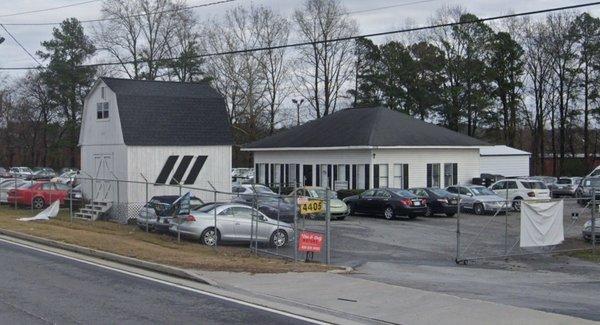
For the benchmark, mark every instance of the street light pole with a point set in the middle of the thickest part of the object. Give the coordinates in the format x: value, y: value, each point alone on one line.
x: 298, y: 102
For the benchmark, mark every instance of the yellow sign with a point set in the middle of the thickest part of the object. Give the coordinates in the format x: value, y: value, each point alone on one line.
x: 312, y: 206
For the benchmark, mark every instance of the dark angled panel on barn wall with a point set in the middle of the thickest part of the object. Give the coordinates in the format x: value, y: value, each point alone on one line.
x: 166, y: 170
x: 196, y: 168
x: 183, y: 166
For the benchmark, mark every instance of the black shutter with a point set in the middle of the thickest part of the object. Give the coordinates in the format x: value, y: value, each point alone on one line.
x: 335, y: 173
x: 429, y: 174
x: 454, y: 174
x: 272, y: 179
x: 348, y: 175
x: 298, y: 181
x: 318, y: 178
x: 353, y: 187
x: 281, y: 170
x: 266, y: 174
x: 367, y: 172
x: 328, y: 176
x: 287, y: 174
x: 307, y: 175
x: 376, y: 176
x: 405, y: 174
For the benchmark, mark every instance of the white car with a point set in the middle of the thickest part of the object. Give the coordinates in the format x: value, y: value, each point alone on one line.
x: 65, y: 178
x: 250, y: 189
x: 516, y: 190
x: 21, y: 172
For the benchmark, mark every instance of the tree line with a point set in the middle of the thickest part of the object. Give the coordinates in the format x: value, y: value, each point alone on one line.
x: 527, y: 83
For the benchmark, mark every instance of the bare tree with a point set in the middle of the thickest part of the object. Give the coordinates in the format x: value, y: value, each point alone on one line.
x: 137, y: 34
x: 325, y: 68
x: 238, y: 77
x: 272, y: 30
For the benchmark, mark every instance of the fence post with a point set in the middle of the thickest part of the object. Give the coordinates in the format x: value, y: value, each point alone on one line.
x: 146, y: 203
x: 119, y: 195
x: 506, y: 222
x: 254, y: 208
x: 215, y: 214
x: 295, y: 223
x: 458, y: 228
x: 593, y: 221
x: 71, y: 204
x: 16, y: 205
x: 327, y: 227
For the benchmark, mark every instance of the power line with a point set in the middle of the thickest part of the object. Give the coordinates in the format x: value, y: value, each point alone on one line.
x: 21, y: 45
x: 131, y: 16
x: 348, y: 38
x: 390, y: 6
x: 48, y: 9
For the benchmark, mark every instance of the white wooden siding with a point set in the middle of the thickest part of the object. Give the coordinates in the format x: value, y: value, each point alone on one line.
x: 100, y: 132
x: 417, y: 159
x: 119, y: 166
x: 149, y: 161
x: 509, y: 166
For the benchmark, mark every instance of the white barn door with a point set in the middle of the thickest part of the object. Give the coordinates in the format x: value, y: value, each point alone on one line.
x: 103, y: 186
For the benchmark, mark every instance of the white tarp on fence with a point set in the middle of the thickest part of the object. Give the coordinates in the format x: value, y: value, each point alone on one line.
x: 49, y: 212
x: 542, y: 223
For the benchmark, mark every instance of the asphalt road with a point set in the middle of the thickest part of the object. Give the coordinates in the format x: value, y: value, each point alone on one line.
x: 40, y: 288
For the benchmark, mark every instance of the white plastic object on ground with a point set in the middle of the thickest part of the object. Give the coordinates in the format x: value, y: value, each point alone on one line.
x: 49, y: 212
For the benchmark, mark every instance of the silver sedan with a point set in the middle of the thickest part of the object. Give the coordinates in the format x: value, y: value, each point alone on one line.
x: 234, y: 223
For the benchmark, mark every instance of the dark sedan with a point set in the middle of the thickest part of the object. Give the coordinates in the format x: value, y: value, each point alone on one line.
x: 274, y: 207
x: 158, y: 212
x: 388, y: 202
x: 439, y: 201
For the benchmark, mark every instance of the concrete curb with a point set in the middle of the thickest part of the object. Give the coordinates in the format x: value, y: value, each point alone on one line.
x: 130, y: 261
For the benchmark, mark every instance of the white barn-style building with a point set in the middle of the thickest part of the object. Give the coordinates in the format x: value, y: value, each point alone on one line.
x: 169, y: 132
x: 365, y: 148
x: 505, y: 161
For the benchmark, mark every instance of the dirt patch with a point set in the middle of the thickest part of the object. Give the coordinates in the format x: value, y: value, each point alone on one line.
x: 129, y: 240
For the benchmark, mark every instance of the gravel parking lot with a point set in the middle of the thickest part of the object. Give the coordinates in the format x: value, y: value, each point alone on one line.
x: 420, y: 254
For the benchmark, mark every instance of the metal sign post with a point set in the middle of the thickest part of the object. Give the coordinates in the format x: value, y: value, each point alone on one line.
x: 327, y: 227
x: 457, y: 259
x: 295, y: 223
x: 146, y: 205
x: 594, y: 207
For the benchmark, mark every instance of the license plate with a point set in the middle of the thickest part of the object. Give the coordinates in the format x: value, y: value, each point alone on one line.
x: 416, y: 203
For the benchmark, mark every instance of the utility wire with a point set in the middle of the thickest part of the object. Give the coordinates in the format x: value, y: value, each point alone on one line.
x: 131, y: 16
x: 390, y: 6
x: 48, y: 9
x: 348, y: 38
x: 21, y: 45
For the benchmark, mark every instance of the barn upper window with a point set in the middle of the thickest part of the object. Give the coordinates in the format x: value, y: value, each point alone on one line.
x: 102, y: 111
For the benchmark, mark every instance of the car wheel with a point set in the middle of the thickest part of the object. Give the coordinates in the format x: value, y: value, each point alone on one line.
x: 279, y: 238
x: 478, y: 208
x: 450, y: 215
x: 388, y: 213
x: 209, y: 237
x: 412, y: 216
x: 428, y: 212
x: 341, y: 218
x: 38, y: 203
x: 517, y: 204
x: 351, y: 209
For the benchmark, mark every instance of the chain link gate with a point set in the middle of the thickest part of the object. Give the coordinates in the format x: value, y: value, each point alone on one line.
x: 497, y: 234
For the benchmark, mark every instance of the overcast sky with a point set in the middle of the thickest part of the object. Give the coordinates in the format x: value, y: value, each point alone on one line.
x: 380, y: 20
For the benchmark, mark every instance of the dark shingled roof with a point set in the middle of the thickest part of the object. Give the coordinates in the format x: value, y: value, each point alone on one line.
x: 162, y: 113
x: 365, y: 127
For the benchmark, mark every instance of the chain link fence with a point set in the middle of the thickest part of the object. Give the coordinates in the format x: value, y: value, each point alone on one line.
x: 495, y: 231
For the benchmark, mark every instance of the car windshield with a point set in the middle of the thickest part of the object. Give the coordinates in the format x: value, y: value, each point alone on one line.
x: 262, y: 189
x: 564, y: 181
x: 534, y: 185
x: 440, y: 192
x: 591, y: 182
x: 206, y: 208
x: 270, y: 199
x: 320, y: 193
x: 403, y: 193
x: 479, y: 191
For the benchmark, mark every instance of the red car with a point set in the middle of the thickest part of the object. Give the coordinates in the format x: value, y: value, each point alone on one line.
x: 39, y: 195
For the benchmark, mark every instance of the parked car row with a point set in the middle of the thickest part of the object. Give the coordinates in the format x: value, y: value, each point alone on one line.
x: 38, y: 173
